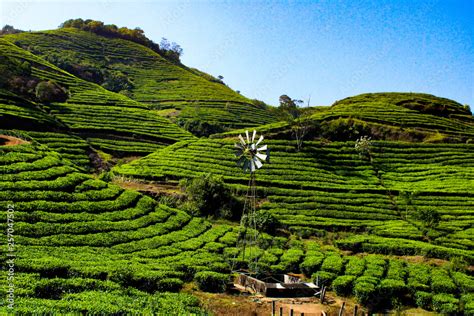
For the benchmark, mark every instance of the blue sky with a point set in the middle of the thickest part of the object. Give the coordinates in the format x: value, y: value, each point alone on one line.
x: 323, y: 50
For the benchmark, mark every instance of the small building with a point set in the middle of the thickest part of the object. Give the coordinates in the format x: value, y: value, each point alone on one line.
x: 279, y: 285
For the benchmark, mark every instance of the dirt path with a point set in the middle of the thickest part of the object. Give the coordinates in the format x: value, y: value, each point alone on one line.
x: 6, y: 140
x: 257, y: 305
x: 148, y: 188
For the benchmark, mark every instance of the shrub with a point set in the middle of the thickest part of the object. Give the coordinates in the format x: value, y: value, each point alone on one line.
x: 355, y: 266
x: 441, y: 282
x: 311, y: 263
x: 467, y: 304
x: 423, y: 299
x: 429, y: 217
x: 396, y: 270
x: 210, y: 281
x: 464, y: 282
x: 265, y: 221
x: 333, y: 263
x: 445, y: 303
x: 343, y: 285
x: 207, y: 195
x: 364, y: 292
x: 116, y: 81
x: 169, y: 285
x: 199, y: 127
x: 325, y: 278
x: 419, y: 277
x: 50, y: 91
x: 291, y: 258
x: 392, y: 291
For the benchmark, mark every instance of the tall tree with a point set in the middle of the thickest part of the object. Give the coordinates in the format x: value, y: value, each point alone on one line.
x: 291, y: 112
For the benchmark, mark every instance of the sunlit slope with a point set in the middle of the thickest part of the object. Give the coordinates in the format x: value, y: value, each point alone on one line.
x: 395, y: 116
x: 91, y: 111
x: 16, y: 111
x: 156, y: 81
x: 81, y: 236
x: 328, y: 187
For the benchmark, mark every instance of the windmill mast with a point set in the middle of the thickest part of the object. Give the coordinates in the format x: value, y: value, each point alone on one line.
x: 250, y: 159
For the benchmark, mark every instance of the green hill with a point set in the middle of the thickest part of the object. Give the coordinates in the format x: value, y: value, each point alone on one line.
x: 154, y: 81
x: 388, y: 225
x: 330, y: 188
x: 87, y: 246
x: 389, y: 116
x: 106, y: 119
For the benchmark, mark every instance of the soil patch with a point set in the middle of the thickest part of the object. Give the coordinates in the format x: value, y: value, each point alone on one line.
x: 6, y: 140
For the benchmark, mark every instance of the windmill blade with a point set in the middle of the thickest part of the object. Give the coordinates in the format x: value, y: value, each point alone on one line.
x: 262, y: 157
x: 253, y: 136
x: 252, y: 166
x: 259, y: 140
x: 248, y: 137
x: 239, y: 153
x: 242, y: 141
x: 246, y: 165
x: 241, y: 161
x: 253, y: 146
x: 237, y: 145
x: 257, y: 163
x: 264, y: 147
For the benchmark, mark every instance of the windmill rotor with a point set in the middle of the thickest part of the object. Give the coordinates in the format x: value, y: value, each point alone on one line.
x: 250, y: 156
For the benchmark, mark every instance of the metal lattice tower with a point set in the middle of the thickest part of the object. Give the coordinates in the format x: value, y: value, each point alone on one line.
x: 250, y: 159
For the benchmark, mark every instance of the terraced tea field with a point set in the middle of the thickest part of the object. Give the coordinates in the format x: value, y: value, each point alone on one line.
x: 397, y: 116
x: 80, y: 239
x: 347, y: 220
x: 157, y: 82
x: 328, y: 187
x: 76, y: 235
x: 109, y: 119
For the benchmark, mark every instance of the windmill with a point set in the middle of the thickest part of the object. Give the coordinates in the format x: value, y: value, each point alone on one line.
x: 250, y: 157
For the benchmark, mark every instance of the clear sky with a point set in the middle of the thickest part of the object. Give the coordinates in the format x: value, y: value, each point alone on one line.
x: 325, y: 50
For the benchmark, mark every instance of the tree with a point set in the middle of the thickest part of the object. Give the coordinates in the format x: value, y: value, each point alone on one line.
x: 165, y: 44
x: 289, y: 108
x: 207, y: 195
x: 50, y: 91
x: 363, y: 147
x: 291, y: 112
x: 8, y: 29
x: 429, y: 217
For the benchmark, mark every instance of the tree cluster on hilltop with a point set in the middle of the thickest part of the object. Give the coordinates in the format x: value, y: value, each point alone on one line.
x: 171, y: 51
x: 8, y: 29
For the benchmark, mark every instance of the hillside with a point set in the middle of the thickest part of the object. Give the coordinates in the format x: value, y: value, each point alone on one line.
x: 155, y: 81
x: 390, y: 116
x: 121, y: 191
x: 107, y: 120
x: 81, y: 239
x: 330, y: 188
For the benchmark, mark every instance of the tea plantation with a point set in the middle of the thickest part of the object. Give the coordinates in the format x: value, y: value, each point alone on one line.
x: 108, y: 120
x: 157, y: 82
x: 386, y: 116
x: 79, y: 238
x: 84, y: 117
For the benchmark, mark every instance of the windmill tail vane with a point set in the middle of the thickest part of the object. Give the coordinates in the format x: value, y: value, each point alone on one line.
x: 250, y: 156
